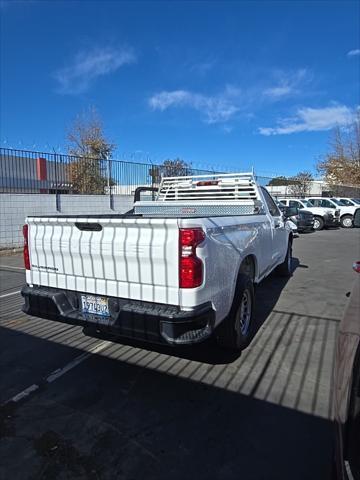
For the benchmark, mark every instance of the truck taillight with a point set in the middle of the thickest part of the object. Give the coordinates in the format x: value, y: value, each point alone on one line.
x: 208, y: 183
x: 26, y: 247
x: 190, y: 266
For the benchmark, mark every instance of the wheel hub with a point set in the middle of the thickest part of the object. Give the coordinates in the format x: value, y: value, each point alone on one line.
x: 244, y: 313
x: 347, y: 222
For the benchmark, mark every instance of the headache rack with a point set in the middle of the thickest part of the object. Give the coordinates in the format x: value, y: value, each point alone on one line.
x: 204, y: 195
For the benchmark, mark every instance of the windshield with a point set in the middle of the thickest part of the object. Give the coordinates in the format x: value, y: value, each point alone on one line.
x: 347, y: 202
x: 338, y: 202
x: 356, y: 200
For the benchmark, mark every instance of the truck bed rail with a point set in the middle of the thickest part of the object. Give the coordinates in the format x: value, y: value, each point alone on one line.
x: 238, y: 186
x: 207, y: 195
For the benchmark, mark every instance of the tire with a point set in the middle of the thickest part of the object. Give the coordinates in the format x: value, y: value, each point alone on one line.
x: 285, y: 268
x: 318, y: 223
x: 346, y: 221
x: 235, y: 331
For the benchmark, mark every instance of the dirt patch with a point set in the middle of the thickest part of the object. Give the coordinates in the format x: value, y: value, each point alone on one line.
x: 61, y: 458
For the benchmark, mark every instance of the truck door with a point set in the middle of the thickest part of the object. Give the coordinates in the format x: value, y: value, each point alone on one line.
x: 279, y: 232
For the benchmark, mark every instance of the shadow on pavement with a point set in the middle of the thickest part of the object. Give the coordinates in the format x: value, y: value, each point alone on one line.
x: 109, y: 419
x: 267, y: 295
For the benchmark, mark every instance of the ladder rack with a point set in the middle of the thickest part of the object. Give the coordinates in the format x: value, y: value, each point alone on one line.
x: 204, y: 195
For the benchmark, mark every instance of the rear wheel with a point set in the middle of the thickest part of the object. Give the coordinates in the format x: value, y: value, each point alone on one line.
x: 318, y: 223
x: 346, y: 221
x: 235, y: 331
x: 285, y: 268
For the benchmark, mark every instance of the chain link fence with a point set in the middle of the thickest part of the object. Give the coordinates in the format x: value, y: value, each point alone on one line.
x: 23, y: 171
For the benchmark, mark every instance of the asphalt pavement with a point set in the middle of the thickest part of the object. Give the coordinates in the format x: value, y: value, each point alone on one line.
x: 77, y: 407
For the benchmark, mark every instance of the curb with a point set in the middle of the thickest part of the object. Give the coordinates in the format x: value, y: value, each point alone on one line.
x: 10, y: 251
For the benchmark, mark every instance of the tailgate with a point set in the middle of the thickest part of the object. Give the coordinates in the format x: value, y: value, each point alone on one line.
x: 133, y: 258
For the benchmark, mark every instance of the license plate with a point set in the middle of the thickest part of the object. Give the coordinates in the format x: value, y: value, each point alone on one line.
x: 95, y: 305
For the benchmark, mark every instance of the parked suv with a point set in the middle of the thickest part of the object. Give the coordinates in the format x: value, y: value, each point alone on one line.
x: 323, y: 217
x: 349, y: 202
x: 346, y: 212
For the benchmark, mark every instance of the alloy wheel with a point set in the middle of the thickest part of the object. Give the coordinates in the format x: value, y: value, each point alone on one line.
x: 244, y: 314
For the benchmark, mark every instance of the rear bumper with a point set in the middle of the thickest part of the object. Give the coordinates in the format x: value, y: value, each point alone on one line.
x: 150, y: 322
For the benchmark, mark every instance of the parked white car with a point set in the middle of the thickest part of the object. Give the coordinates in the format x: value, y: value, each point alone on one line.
x: 346, y: 212
x: 174, y: 270
x: 349, y: 202
x: 323, y: 217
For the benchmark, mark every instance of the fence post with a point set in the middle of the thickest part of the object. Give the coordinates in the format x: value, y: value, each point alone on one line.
x: 152, y: 174
x: 111, y: 199
x: 57, y: 194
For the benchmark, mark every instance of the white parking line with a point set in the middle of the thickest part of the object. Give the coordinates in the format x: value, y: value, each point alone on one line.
x: 59, y: 372
x: 9, y: 294
x: 25, y: 393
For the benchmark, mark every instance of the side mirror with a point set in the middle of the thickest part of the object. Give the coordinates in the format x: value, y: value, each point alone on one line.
x: 290, y: 212
x: 357, y: 218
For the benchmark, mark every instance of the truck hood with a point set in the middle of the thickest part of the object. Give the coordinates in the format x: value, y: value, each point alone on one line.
x: 349, y: 210
x: 319, y: 210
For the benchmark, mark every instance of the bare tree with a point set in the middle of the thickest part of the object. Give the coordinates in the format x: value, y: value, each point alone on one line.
x: 300, y: 184
x: 169, y: 168
x: 341, y: 165
x: 89, y: 171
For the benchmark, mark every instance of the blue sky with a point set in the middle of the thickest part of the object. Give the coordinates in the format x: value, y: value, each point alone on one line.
x: 224, y: 84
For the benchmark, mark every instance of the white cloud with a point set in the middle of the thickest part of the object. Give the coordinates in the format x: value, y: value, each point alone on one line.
x: 288, y: 83
x: 353, y: 53
x: 216, y: 109
x: 87, y: 66
x: 231, y: 101
x: 312, y: 120
x: 278, y: 92
x: 202, y: 68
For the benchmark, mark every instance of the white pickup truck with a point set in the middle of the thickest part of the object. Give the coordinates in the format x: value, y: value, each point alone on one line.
x: 346, y: 212
x: 174, y: 270
x: 323, y: 217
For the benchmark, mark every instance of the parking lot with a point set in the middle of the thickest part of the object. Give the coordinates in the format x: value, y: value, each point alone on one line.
x: 86, y: 408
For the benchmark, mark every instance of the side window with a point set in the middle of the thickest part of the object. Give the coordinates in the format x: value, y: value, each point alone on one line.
x: 294, y: 203
x: 273, y: 209
x: 327, y: 204
x: 316, y: 202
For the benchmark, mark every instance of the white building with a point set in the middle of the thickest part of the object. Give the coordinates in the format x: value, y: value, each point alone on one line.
x: 317, y: 188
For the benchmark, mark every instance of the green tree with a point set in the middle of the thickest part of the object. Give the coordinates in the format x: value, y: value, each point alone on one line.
x: 276, y: 181
x: 89, y: 170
